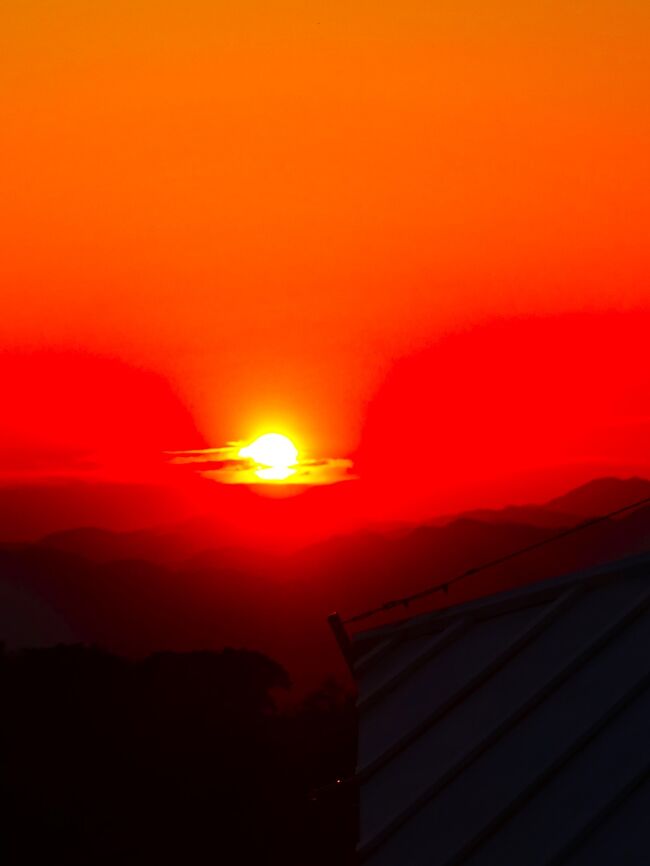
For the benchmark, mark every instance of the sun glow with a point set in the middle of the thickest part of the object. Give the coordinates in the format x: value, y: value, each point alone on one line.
x: 274, y: 456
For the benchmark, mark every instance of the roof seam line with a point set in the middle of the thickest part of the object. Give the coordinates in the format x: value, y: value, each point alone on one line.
x: 528, y: 634
x: 601, y: 815
x: 370, y: 659
x: 524, y: 796
x: 576, y: 662
x: 454, y: 630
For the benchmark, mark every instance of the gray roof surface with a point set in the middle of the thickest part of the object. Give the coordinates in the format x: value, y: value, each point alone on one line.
x: 514, y: 729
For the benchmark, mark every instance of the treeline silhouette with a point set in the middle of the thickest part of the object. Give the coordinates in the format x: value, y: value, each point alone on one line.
x: 177, y: 758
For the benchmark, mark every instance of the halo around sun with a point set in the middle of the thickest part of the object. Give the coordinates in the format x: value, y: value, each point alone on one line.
x: 274, y: 454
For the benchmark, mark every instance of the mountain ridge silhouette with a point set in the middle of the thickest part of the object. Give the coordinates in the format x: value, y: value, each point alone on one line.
x: 188, y: 597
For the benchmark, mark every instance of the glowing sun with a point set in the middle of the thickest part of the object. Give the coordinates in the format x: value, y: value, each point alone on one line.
x: 275, y: 456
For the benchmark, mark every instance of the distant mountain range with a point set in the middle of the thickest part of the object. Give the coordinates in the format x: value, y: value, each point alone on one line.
x: 184, y: 585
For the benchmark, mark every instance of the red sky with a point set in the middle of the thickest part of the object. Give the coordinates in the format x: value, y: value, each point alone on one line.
x: 414, y: 232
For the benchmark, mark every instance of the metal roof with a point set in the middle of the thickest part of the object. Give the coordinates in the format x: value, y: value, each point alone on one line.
x: 514, y: 729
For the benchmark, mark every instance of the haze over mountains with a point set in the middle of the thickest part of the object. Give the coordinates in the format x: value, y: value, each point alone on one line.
x: 185, y: 585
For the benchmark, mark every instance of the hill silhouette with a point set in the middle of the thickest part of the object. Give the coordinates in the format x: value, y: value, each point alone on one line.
x: 169, y: 589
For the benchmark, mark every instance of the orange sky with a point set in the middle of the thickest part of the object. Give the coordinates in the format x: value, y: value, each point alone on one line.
x: 269, y: 202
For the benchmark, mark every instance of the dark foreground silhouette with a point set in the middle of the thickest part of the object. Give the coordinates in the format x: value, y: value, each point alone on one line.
x: 176, y: 758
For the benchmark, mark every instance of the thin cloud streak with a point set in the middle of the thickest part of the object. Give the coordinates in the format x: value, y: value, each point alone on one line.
x: 224, y: 465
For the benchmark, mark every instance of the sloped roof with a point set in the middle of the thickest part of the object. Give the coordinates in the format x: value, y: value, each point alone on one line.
x: 514, y: 729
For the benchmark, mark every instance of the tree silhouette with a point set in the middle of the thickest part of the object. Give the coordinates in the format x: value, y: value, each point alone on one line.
x: 178, y: 757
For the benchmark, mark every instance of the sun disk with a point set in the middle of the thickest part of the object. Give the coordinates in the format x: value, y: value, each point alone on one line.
x: 274, y: 454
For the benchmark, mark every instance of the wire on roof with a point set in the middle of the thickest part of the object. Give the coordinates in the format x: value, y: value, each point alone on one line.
x: 445, y: 585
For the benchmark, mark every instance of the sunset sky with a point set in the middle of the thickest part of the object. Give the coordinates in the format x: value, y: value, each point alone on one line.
x: 407, y: 234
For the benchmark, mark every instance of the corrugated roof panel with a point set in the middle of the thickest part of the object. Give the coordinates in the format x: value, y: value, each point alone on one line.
x: 466, y: 750
x: 421, y: 762
x: 570, y: 796
x: 622, y: 837
x: 425, y: 690
x: 401, y: 655
x: 469, y: 799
